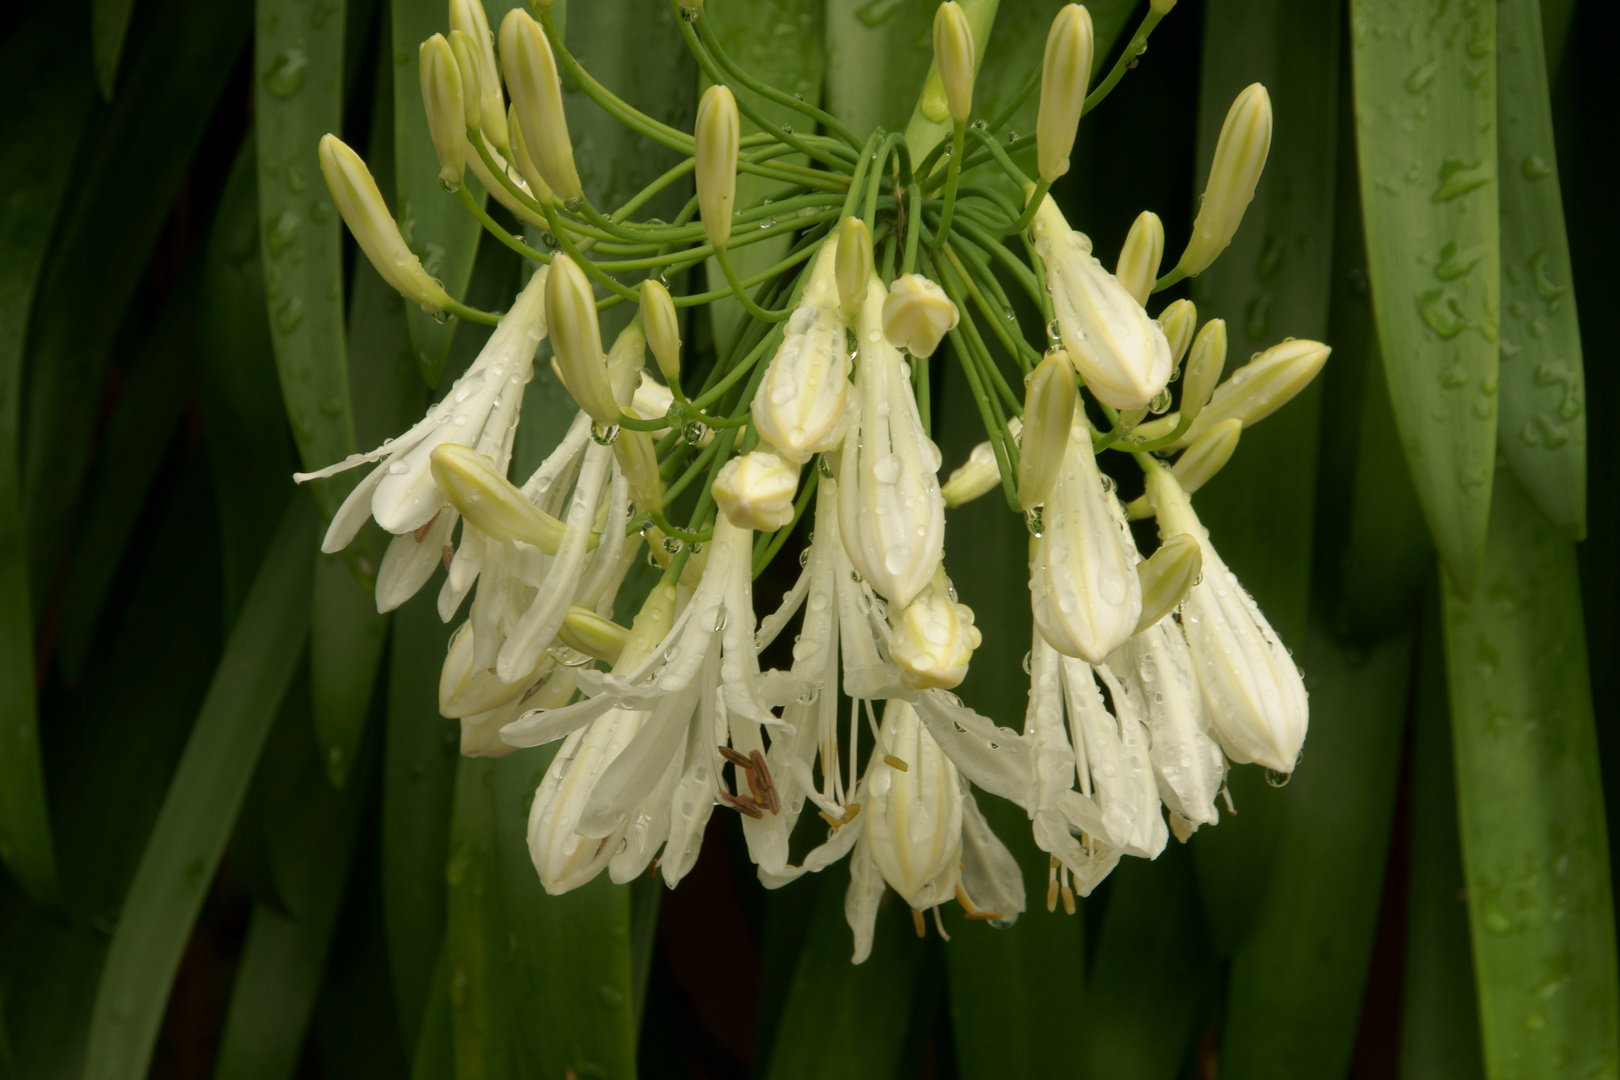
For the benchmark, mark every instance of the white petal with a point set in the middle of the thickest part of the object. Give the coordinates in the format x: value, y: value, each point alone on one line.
x: 409, y: 562
x: 861, y: 900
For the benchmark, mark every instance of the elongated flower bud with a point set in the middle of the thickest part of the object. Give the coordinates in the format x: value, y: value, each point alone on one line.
x: 361, y: 204
x: 1065, y: 73
x: 1139, y: 259
x: 914, y: 819
x: 954, y: 58
x: 442, y: 101
x: 717, y: 133
x: 465, y: 51
x: 576, y: 338
x: 1121, y: 354
x: 1083, y: 585
x: 1261, y: 387
x: 756, y: 491
x: 531, y: 76
x: 1208, y: 455
x: 663, y: 328
x: 934, y: 637
x: 1254, y: 693
x: 583, y: 630
x: 468, y: 17
x: 1048, y: 416
x: 490, y: 502
x: 1166, y: 576
x: 1203, y: 368
x: 801, y: 405
x: 917, y: 315
x: 976, y: 476
x: 638, y: 460
x: 854, y: 266
x: 1178, y: 321
x: 1240, y: 155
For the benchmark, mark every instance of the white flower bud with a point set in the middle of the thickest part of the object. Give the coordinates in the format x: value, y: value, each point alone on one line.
x: 974, y: 477
x: 1261, y: 387
x: 801, y: 405
x: 490, y: 502
x: 1207, y: 455
x: 1254, y: 693
x: 361, y: 204
x: 531, y: 76
x: 1178, y: 321
x: 917, y: 315
x: 954, y: 58
x: 467, y: 16
x: 716, y: 134
x: 755, y: 491
x: 1157, y: 670
x: 890, y: 510
x: 854, y: 266
x: 576, y: 339
x: 638, y: 460
x: 527, y: 169
x: 1204, y: 367
x: 583, y: 630
x: 1166, y: 577
x: 1240, y: 155
x: 465, y: 50
x: 1138, y: 266
x: 934, y: 637
x: 1084, y: 590
x: 663, y: 329
x: 1048, y: 417
x: 914, y: 815
x: 1120, y: 353
x: 1065, y: 73
x: 442, y: 101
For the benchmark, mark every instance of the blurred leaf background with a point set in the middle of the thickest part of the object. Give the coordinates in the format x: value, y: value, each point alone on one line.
x: 240, y: 842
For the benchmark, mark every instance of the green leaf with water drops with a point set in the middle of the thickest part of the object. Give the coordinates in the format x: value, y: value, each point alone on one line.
x: 346, y: 636
x: 35, y: 154
x: 1440, y: 1023
x: 1542, y: 418
x: 109, y: 26
x: 200, y: 808
x: 1530, y: 800
x: 1425, y: 92
x: 1294, y: 994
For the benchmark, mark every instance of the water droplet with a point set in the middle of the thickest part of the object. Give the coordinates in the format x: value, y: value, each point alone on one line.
x: 1536, y: 167
x: 287, y: 72
x: 1278, y: 779
x: 1460, y: 177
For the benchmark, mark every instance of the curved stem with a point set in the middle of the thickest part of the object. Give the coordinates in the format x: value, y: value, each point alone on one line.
x: 472, y: 314
x: 674, y: 138
x: 741, y: 293
x: 492, y: 227
x: 825, y: 119
x: 953, y: 173
x: 585, y: 264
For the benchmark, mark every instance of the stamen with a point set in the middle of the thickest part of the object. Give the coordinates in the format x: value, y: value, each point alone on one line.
x: 422, y: 530
x: 895, y: 763
x: 760, y: 771
x: 1052, y: 884
x: 1068, y: 899
x: 1226, y: 793
x: 939, y: 924
x: 736, y: 758
x: 917, y: 921
x: 742, y: 804
x: 971, y: 912
x: 447, y: 553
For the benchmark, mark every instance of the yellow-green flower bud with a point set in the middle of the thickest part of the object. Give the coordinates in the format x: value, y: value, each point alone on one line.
x: 465, y: 51
x: 1167, y: 576
x: 1065, y: 73
x: 934, y: 637
x: 663, y: 328
x: 1205, y: 457
x: 525, y: 166
x: 854, y: 267
x: 638, y: 460
x: 1048, y: 415
x: 1261, y: 387
x: 977, y: 475
x: 490, y: 502
x: 1240, y: 155
x: 467, y: 16
x: 531, y: 76
x: 716, y: 134
x: 442, y: 101
x: 1204, y: 367
x: 626, y: 360
x: 755, y: 491
x: 1178, y: 321
x: 576, y: 340
x: 1138, y: 266
x: 954, y: 58
x: 583, y: 630
x: 917, y: 314
x: 361, y: 204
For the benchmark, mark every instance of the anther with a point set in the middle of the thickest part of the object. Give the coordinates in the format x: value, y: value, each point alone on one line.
x: 422, y: 531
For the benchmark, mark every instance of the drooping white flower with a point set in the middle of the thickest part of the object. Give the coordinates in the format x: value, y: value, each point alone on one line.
x: 801, y: 406
x: 917, y: 315
x: 755, y: 490
x: 934, y: 637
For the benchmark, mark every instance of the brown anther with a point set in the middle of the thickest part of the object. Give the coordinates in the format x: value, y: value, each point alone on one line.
x: 422, y: 531
x: 895, y: 763
x: 830, y: 820
x: 849, y: 813
x: 447, y: 553
x: 762, y: 772
x: 917, y: 921
x: 1051, y: 895
x: 1068, y: 900
x: 652, y: 871
x: 742, y: 804
x: 738, y: 759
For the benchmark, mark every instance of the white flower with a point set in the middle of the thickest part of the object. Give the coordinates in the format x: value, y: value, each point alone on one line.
x: 756, y: 490
x: 917, y: 314
x: 1122, y: 354
x: 977, y: 475
x: 934, y: 637
x: 801, y: 405
x: 891, y: 512
x: 1083, y: 585
x: 1254, y: 694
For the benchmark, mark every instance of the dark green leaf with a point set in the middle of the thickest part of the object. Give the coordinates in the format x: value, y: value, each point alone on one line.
x: 190, y: 834
x: 435, y: 1057
x: 346, y: 636
x: 1530, y: 801
x: 109, y: 25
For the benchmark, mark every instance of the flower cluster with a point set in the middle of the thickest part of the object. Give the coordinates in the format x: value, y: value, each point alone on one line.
x: 1149, y: 675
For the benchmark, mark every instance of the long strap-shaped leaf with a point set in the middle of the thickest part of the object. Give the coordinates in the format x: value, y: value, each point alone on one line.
x: 1425, y: 85
x: 109, y: 24
x: 1542, y: 424
x: 35, y: 153
x: 190, y: 834
x: 1530, y: 799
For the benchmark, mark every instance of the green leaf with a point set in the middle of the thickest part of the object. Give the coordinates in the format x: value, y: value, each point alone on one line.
x: 1295, y: 992
x: 35, y: 154
x: 346, y: 636
x: 476, y: 956
x: 1271, y: 283
x: 1425, y: 90
x: 182, y: 61
x: 1542, y: 418
x: 1529, y: 796
x: 8, y: 1064
x: 435, y: 1057
x: 109, y: 25
x: 1439, y: 1025
x: 190, y: 834
x: 1556, y: 15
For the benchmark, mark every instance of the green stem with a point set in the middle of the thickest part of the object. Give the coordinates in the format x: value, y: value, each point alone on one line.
x: 471, y: 314
x: 494, y: 229
x: 766, y: 547
x: 953, y: 173
x: 825, y: 119
x: 674, y: 138
x: 742, y: 294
